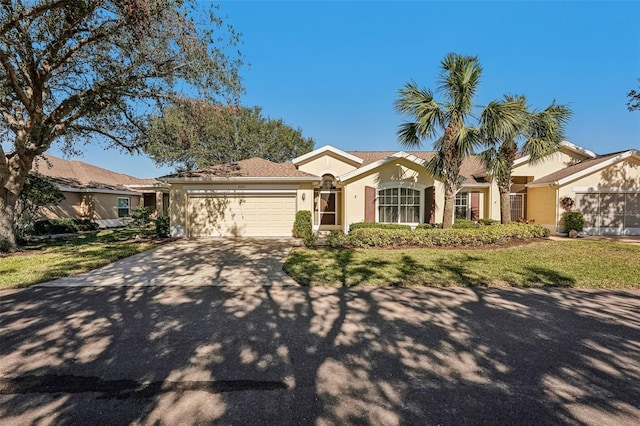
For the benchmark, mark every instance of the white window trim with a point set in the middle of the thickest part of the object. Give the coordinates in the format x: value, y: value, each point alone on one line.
x: 118, y: 206
x: 468, y: 215
x: 410, y: 185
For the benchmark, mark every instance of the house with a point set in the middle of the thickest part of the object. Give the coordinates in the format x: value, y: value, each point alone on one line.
x: 98, y: 194
x: 256, y: 197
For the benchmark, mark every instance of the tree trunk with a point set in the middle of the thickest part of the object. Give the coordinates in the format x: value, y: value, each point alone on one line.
x: 449, y: 205
x: 12, y: 181
x: 7, y: 231
x: 505, y: 206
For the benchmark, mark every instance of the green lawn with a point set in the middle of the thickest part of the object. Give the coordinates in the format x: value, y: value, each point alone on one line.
x: 47, y: 261
x: 585, y: 264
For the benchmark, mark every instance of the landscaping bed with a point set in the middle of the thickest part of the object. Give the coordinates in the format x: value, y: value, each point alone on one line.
x: 48, y: 260
x: 542, y: 263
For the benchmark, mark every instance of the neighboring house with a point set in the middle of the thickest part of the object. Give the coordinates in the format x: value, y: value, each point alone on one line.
x: 98, y: 194
x: 257, y: 197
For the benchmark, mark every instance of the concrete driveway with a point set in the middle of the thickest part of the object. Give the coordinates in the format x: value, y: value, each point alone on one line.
x: 199, y: 262
x: 254, y: 355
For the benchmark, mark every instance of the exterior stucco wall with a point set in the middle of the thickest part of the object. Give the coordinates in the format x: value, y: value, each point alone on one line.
x: 401, y: 170
x: 542, y: 206
x: 105, y: 206
x: 84, y: 205
x: 548, y: 165
x: 70, y: 207
x: 305, y: 197
x: 327, y: 163
x: 625, y: 174
x: 177, y: 210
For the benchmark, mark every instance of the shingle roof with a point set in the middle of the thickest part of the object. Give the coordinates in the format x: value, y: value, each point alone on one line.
x: 472, y: 166
x: 252, y: 167
x: 80, y: 175
x: 578, y: 167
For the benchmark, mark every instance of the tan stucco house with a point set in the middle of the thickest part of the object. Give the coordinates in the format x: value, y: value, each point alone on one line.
x: 99, y: 194
x: 257, y: 197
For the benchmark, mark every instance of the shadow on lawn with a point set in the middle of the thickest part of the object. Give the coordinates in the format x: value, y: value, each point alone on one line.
x: 328, y: 355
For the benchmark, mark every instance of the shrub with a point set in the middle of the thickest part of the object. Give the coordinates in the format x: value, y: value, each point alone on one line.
x: 62, y: 226
x: 303, y: 228
x: 371, y: 237
x: 488, y: 222
x: 54, y: 226
x: 336, y: 239
x: 464, y: 224
x: 302, y: 225
x: 142, y: 215
x: 376, y: 225
x: 163, y: 228
x: 573, y: 221
x: 429, y: 226
x: 82, y: 225
x: 310, y: 240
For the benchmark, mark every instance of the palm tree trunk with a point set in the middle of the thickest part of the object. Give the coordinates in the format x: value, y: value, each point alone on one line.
x: 505, y: 206
x: 449, y: 205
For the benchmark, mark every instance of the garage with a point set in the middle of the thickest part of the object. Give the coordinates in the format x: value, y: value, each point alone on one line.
x: 610, y: 213
x: 241, y: 215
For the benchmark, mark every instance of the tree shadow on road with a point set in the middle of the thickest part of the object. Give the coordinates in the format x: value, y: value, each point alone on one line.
x: 283, y: 354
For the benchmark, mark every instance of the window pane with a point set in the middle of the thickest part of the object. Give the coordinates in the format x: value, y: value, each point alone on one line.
x: 632, y: 211
x: 587, y: 204
x: 123, y: 203
x: 612, y: 210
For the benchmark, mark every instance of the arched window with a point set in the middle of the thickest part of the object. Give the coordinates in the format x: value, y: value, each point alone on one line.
x: 399, y: 205
x: 328, y: 182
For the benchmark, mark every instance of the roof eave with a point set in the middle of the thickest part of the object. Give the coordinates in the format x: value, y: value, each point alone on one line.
x: 242, y: 179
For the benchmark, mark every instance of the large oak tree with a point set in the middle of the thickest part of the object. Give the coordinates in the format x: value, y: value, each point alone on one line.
x: 76, y: 69
x: 195, y: 134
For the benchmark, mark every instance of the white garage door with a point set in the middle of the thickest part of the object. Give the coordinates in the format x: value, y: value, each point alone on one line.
x: 241, y: 216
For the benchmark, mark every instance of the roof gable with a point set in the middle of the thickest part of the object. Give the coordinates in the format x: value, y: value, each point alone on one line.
x: 324, y: 150
x: 565, y: 146
x: 584, y: 168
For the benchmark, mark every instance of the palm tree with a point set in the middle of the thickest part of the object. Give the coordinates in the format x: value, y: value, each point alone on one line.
x: 458, y: 82
x: 507, y: 124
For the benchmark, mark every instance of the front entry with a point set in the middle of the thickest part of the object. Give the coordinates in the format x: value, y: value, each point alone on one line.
x: 327, y: 204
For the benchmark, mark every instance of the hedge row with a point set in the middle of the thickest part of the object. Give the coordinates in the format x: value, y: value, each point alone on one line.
x: 62, y: 226
x: 376, y: 225
x: 372, y: 237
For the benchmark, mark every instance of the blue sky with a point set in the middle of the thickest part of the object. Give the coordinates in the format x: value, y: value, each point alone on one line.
x: 334, y: 68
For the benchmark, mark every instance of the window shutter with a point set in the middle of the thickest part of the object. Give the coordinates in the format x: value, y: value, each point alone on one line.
x: 369, y: 204
x: 430, y: 204
x: 475, y: 205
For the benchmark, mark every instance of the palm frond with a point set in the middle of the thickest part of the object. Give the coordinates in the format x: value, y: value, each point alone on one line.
x: 435, y: 166
x: 503, y: 120
x: 408, y: 135
x: 466, y: 140
x: 420, y: 104
x: 459, y: 79
x: 546, y: 131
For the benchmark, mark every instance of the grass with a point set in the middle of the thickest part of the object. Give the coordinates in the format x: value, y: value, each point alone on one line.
x: 582, y: 264
x: 40, y: 262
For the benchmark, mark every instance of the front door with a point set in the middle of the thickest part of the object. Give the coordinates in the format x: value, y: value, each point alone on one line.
x: 326, y: 207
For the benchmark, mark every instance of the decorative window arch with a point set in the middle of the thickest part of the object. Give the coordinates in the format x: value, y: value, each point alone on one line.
x: 400, y: 202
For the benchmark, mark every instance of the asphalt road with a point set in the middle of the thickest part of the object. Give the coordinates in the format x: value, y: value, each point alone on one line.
x: 291, y: 355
